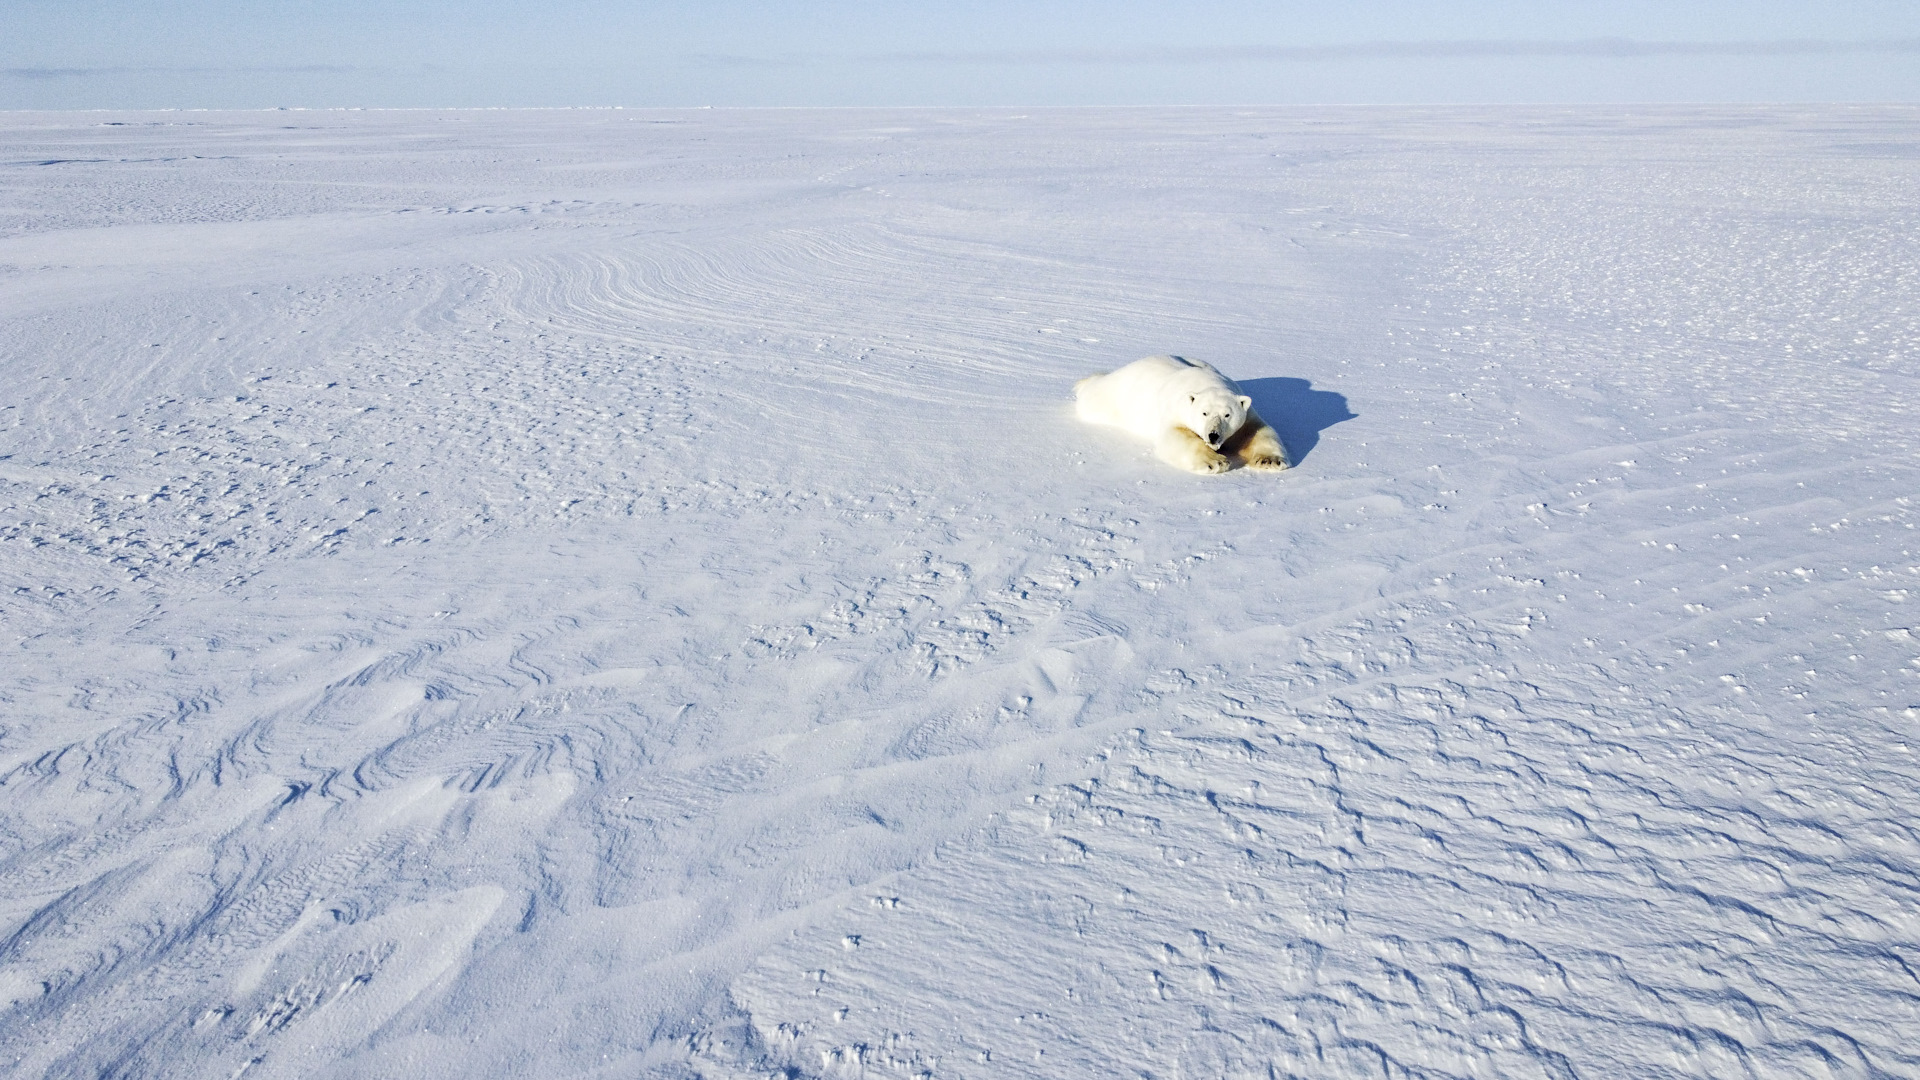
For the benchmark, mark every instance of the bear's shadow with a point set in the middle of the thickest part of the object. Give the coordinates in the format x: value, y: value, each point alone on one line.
x: 1296, y: 411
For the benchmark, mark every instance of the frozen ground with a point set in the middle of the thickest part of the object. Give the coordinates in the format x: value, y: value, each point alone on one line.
x: 621, y: 593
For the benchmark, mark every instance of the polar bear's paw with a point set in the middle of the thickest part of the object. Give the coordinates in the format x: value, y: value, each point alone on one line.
x: 1212, y: 464
x: 1268, y: 463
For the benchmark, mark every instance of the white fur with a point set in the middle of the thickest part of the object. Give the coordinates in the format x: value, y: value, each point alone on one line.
x: 1196, y: 418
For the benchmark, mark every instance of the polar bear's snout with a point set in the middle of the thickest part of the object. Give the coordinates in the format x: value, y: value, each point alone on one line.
x: 1216, y: 429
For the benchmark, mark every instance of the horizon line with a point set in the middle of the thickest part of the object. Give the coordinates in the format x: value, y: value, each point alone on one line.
x: 1605, y: 48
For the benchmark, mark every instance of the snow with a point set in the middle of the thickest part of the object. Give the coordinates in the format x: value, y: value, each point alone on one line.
x: 614, y: 593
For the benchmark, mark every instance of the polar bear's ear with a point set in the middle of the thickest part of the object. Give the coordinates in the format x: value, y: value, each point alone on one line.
x: 1246, y: 402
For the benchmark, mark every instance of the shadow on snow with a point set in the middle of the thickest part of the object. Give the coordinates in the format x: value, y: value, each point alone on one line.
x: 1296, y: 411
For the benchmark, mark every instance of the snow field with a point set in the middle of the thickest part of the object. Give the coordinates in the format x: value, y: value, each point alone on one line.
x: 616, y: 593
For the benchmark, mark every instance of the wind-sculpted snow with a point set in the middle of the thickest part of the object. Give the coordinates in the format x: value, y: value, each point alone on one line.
x: 621, y: 593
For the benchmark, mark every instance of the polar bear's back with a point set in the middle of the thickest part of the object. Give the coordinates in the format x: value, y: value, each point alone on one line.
x: 1135, y: 397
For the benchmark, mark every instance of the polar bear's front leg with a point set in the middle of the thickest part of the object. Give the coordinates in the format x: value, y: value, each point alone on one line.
x: 1184, y: 450
x: 1258, y: 446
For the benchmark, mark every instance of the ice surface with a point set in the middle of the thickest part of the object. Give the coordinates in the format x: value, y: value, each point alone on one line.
x: 619, y: 593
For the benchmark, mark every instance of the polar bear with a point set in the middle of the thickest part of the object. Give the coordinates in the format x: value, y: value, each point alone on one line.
x: 1196, y: 417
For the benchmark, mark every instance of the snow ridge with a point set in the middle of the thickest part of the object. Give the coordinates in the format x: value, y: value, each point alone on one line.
x: 582, y: 594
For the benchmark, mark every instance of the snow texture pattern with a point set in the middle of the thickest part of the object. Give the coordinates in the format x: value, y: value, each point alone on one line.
x: 615, y: 593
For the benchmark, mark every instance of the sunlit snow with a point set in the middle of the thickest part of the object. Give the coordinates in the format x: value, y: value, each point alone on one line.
x: 616, y: 593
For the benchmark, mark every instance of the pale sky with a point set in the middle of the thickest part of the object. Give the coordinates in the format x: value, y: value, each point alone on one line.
x: 249, y: 54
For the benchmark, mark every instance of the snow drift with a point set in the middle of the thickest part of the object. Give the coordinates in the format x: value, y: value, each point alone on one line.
x: 608, y: 593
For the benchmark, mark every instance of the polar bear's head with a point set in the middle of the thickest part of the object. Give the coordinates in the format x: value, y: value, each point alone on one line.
x: 1214, y: 414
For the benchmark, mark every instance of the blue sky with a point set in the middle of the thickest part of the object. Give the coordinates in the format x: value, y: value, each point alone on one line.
x: 230, y: 53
